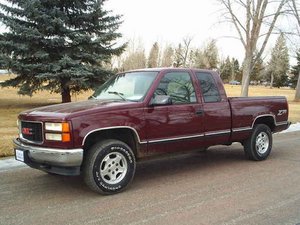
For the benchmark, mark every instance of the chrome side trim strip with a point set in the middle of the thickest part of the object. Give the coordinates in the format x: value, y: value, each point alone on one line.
x: 217, y: 132
x: 115, y: 127
x: 174, y: 139
x: 282, y: 123
x: 239, y: 129
x: 191, y: 136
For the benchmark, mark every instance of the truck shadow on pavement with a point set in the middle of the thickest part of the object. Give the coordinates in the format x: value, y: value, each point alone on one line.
x: 166, y: 168
x: 193, y: 162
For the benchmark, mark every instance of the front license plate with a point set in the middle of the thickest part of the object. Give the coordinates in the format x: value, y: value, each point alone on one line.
x: 19, y: 155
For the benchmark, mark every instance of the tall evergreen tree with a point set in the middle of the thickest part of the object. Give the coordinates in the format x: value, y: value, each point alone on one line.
x: 296, y: 70
x: 208, y: 56
x: 279, y: 63
x: 226, y: 70
x: 178, y: 59
x: 230, y: 70
x: 257, y: 70
x: 153, y: 56
x: 211, y: 55
x: 237, y: 70
x: 167, y: 57
x: 58, y: 45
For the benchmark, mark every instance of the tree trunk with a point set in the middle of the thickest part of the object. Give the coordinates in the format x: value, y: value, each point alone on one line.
x: 65, y: 91
x: 246, y: 75
x: 297, y: 95
x: 272, y: 80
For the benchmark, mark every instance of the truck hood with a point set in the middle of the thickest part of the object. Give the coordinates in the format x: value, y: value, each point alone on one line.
x: 65, y: 109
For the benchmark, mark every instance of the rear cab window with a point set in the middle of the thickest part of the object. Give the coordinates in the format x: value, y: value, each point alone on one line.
x: 209, y: 89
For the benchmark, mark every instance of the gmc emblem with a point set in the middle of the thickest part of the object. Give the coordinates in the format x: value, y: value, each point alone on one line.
x: 27, y: 131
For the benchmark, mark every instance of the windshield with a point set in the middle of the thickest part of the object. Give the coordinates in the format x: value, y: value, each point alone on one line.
x: 131, y: 86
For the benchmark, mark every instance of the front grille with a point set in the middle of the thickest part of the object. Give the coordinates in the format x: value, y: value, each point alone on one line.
x: 32, y: 131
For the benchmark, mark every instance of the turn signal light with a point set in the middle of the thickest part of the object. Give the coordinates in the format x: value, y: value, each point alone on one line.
x: 66, y: 137
x: 65, y: 127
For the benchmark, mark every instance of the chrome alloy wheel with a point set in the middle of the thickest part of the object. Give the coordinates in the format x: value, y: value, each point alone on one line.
x: 113, y: 168
x: 262, y: 143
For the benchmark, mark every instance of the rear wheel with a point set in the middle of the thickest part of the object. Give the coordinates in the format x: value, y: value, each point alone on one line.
x: 259, y: 145
x: 109, y: 167
x: 202, y: 150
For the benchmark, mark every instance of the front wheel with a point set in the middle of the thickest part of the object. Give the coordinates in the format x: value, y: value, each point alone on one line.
x: 109, y: 167
x: 259, y: 145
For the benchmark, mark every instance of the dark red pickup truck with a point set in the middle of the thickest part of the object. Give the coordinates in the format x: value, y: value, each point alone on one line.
x: 142, y: 113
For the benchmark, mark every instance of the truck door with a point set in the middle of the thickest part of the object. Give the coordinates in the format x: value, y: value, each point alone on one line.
x: 179, y: 126
x: 217, y: 112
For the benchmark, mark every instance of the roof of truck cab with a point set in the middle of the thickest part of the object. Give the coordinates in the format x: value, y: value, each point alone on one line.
x: 171, y: 69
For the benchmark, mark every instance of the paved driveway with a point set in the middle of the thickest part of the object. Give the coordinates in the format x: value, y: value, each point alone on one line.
x: 217, y: 187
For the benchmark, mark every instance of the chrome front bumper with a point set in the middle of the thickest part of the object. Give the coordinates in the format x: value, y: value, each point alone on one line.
x: 51, y: 156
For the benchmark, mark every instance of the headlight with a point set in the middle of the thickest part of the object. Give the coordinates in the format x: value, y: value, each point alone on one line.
x: 59, y: 127
x: 58, y: 132
x: 53, y: 137
x: 65, y: 137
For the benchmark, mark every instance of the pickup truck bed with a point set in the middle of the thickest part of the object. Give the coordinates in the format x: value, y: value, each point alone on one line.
x: 246, y: 111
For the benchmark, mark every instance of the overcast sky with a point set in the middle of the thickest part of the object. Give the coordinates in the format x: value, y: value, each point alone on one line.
x: 169, y: 21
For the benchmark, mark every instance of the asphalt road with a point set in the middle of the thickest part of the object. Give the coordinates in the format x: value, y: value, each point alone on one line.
x: 217, y: 187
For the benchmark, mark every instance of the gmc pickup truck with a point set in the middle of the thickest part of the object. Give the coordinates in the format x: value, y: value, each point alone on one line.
x: 143, y: 113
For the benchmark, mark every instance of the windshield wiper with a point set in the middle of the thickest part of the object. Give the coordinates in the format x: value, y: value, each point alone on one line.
x: 118, y: 93
x: 92, y: 97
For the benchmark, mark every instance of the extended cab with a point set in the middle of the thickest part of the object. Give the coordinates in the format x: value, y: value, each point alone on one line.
x: 142, y: 113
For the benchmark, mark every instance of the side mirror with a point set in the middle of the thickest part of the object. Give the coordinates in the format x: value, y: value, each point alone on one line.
x: 161, y: 100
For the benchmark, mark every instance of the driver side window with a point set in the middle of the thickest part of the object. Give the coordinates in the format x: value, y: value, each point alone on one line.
x: 179, y: 86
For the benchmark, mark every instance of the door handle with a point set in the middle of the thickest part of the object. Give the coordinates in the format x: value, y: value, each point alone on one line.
x: 199, y: 112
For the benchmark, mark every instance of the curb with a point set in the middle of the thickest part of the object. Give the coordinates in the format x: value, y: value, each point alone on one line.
x: 9, y: 163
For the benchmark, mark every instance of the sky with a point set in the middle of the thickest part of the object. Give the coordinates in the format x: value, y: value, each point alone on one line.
x: 167, y: 21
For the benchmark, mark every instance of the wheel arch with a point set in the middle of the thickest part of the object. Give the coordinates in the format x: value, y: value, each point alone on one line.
x: 267, y: 119
x: 128, y: 135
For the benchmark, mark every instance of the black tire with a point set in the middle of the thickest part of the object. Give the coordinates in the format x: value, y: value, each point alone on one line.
x: 202, y: 150
x: 259, y: 145
x: 52, y: 174
x: 109, y: 167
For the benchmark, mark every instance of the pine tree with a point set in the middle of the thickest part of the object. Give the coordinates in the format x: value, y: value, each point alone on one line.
x: 279, y: 63
x: 211, y: 54
x: 178, y: 59
x: 153, y: 56
x: 257, y: 70
x: 296, y: 71
x: 226, y: 70
x: 200, y: 60
x: 167, y: 57
x: 60, y: 46
x: 208, y: 56
x: 237, y: 70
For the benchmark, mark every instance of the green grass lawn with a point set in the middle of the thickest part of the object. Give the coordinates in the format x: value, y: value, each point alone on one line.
x: 11, y: 104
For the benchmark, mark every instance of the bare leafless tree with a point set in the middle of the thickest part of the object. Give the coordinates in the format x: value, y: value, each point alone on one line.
x: 253, y: 20
x: 182, y: 52
x: 295, y: 8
